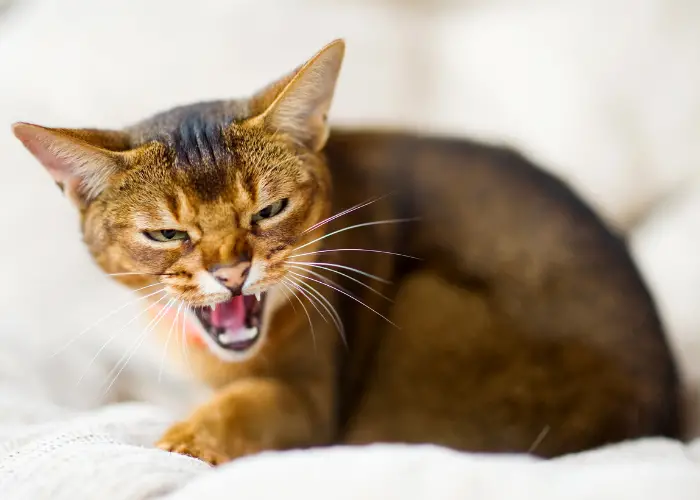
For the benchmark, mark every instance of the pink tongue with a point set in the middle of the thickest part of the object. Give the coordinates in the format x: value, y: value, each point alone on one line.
x: 229, y: 315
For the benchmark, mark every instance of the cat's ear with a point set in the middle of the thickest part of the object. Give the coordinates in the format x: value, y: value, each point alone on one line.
x: 81, y: 161
x: 298, y: 103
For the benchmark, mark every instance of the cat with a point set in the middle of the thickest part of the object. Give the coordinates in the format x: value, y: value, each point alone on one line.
x: 359, y: 287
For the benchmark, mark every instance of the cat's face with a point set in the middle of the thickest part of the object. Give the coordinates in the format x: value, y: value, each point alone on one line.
x: 217, y: 237
x: 201, y: 205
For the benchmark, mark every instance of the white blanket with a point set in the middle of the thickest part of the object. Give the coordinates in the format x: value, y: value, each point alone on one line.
x: 616, y: 113
x: 50, y: 452
x: 106, y: 454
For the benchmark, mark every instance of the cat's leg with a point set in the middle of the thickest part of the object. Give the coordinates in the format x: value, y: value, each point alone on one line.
x: 249, y: 416
x: 282, y: 397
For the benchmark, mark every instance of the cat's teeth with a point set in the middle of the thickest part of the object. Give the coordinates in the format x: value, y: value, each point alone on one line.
x: 242, y: 335
x: 257, y: 296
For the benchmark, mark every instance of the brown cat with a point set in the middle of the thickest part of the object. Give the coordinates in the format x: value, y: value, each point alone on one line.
x: 469, y: 299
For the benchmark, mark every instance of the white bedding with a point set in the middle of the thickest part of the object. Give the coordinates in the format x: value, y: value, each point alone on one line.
x: 50, y: 452
x: 616, y: 113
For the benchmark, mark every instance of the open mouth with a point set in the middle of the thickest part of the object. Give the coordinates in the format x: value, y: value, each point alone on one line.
x: 234, y: 324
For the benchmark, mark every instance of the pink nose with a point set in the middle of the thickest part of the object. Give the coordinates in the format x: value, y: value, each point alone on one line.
x: 232, y: 277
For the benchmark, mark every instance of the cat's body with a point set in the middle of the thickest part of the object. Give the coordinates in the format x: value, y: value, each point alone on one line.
x: 513, y: 321
x: 525, y: 314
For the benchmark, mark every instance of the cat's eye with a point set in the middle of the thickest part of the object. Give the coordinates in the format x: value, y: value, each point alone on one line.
x: 165, y: 235
x: 270, y: 210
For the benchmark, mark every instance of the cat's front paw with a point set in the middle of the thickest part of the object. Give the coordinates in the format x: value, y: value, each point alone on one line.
x: 194, y: 438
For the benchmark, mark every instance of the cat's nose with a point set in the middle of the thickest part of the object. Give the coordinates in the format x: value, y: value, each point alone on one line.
x: 233, y: 276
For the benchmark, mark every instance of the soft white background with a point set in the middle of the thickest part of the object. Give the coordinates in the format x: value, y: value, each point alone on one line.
x: 604, y: 93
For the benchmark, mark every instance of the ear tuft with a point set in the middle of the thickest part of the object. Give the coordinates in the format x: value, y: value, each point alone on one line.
x: 298, y: 103
x: 73, y: 157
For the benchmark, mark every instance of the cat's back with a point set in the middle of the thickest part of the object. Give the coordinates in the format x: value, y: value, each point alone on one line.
x: 488, y: 206
x: 543, y: 262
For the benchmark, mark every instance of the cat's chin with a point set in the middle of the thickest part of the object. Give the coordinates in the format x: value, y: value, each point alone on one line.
x: 231, y: 329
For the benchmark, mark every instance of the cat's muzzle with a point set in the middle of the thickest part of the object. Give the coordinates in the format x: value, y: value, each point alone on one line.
x: 234, y: 324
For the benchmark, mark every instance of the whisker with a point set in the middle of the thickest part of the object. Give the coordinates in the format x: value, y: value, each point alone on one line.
x: 310, y: 299
x: 138, y: 343
x: 324, y: 265
x: 181, y: 334
x: 326, y: 305
x: 374, y: 223
x: 538, y: 440
x: 140, y: 274
x: 286, y: 296
x: 324, y: 278
x: 349, y: 295
x: 108, y: 315
x: 176, y: 319
x: 147, y: 286
x: 308, y: 316
x: 355, y: 250
x: 348, y: 277
x: 345, y: 212
x: 184, y: 345
x: 116, y: 334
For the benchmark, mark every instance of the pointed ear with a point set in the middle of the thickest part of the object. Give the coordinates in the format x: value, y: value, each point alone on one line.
x: 81, y: 161
x: 298, y: 103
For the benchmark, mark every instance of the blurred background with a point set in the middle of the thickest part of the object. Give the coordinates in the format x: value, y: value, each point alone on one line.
x: 605, y: 93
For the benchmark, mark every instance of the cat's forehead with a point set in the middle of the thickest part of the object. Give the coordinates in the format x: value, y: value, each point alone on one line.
x: 194, y: 133
x: 208, y: 153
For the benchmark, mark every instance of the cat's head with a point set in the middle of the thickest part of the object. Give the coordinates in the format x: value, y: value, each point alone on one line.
x: 205, y: 201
